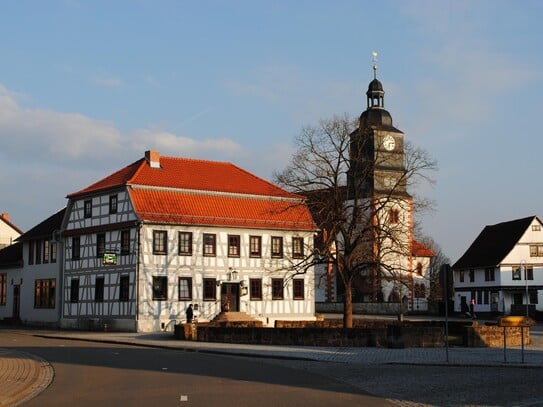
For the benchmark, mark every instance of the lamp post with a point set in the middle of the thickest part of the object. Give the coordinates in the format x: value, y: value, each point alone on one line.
x: 525, y: 269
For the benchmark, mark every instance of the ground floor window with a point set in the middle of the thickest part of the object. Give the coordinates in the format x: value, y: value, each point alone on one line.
x: 210, y: 289
x: 99, y: 289
x: 298, y: 288
x: 74, y: 290
x: 124, y: 288
x: 3, y: 288
x: 185, y: 288
x: 277, y: 288
x: 44, y: 293
x: 255, y: 289
x: 160, y: 288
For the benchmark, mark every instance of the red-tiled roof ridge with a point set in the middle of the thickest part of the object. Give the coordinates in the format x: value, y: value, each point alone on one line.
x: 189, y: 174
x: 117, y: 179
x: 419, y: 250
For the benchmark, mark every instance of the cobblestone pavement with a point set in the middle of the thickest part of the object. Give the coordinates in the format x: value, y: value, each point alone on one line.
x: 396, y: 374
x: 22, y: 376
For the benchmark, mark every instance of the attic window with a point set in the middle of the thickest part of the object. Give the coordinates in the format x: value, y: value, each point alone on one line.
x: 536, y: 228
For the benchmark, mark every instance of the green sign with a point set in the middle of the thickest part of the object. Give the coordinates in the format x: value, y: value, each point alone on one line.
x: 109, y: 259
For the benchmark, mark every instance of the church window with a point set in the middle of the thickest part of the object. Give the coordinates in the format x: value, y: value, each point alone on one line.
x: 419, y: 268
x: 393, y: 216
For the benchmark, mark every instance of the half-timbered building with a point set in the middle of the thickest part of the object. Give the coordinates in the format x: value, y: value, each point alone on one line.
x: 164, y: 232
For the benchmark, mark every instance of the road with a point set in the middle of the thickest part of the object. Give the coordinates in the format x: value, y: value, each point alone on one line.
x: 95, y: 374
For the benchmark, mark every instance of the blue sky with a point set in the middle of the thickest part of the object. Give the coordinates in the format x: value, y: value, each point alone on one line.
x: 87, y: 86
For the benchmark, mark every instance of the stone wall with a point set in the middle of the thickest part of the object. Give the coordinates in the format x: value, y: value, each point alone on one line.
x: 322, y: 333
x: 371, y: 308
x: 492, y: 336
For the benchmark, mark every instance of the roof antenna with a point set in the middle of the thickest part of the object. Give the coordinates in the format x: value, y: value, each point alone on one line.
x: 374, y: 54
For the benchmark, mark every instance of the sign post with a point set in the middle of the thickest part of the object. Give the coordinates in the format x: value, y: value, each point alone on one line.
x: 515, y: 322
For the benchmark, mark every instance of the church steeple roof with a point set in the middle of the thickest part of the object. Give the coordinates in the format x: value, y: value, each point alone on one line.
x: 375, y: 115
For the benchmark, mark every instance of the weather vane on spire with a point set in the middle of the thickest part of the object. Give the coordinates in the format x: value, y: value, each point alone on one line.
x: 374, y: 54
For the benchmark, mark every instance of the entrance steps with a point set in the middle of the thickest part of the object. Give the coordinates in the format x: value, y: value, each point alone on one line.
x: 235, y: 319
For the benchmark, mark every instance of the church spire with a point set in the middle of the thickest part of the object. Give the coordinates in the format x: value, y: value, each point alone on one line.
x: 375, y: 93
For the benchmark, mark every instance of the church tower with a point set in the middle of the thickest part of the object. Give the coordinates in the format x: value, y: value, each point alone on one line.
x: 377, y: 181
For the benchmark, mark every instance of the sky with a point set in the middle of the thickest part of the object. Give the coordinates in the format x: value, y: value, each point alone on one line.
x: 86, y: 87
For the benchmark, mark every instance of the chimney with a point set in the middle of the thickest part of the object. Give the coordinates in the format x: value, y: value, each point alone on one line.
x: 153, y: 158
x: 5, y: 216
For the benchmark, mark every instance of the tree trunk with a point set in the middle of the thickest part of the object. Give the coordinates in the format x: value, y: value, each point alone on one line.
x: 348, y: 306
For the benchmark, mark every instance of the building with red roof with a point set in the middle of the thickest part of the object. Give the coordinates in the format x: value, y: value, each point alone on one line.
x: 164, y: 232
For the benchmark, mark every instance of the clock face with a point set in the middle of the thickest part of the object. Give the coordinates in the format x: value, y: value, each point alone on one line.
x: 389, y: 143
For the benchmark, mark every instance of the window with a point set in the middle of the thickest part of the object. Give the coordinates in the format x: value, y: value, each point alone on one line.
x: 536, y: 250
x: 419, y: 268
x: 38, y: 251
x: 533, y: 297
x: 516, y: 273
x: 112, y: 204
x: 3, y: 288
x: 536, y: 228
x: 46, y: 251
x: 160, y: 288
x: 210, y: 290
x: 100, y: 244
x: 99, y: 289
x: 76, y: 247
x: 298, y: 288
x: 393, y: 216
x: 486, y: 297
x: 490, y: 274
x: 479, y: 297
x: 30, y: 252
x: 277, y: 288
x: 54, y: 249
x: 277, y: 246
x: 255, y: 289
x: 124, y: 288
x: 461, y: 276
x: 160, y: 242
x: 74, y: 290
x: 185, y: 288
x: 298, y: 247
x: 529, y: 273
x: 419, y: 290
x: 44, y: 293
x: 209, y: 244
x: 471, y: 275
x: 255, y: 246
x: 125, y: 242
x: 87, y: 208
x: 185, y: 243
x: 233, y: 245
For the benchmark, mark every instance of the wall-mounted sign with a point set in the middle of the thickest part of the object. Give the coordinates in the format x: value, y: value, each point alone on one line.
x: 109, y: 259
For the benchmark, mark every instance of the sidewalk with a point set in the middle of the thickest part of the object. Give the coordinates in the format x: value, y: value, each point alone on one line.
x: 533, y: 354
x: 23, y: 376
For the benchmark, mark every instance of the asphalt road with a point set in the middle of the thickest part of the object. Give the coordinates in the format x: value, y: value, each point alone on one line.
x: 94, y: 374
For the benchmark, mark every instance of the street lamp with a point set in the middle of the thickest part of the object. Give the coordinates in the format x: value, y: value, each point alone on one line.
x: 523, y: 267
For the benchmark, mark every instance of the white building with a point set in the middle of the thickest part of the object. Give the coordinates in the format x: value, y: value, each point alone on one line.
x: 30, y: 275
x: 162, y: 233
x: 8, y: 231
x: 502, y: 270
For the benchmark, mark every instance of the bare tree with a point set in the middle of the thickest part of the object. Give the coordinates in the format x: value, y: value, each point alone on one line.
x: 335, y: 167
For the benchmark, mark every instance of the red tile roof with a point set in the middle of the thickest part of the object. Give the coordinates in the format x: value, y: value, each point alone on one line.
x: 185, y: 173
x: 418, y: 250
x: 177, y: 207
x: 190, y: 191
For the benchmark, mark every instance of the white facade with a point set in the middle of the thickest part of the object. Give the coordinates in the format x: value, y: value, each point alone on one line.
x: 513, y: 285
x: 8, y: 232
x: 149, y: 283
